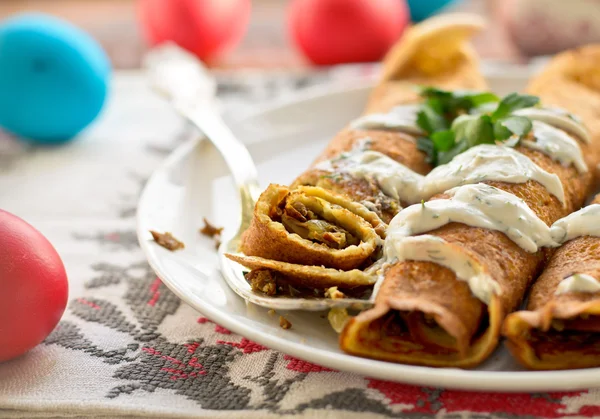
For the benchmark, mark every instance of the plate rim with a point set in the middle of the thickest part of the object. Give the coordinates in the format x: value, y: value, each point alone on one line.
x: 448, y: 378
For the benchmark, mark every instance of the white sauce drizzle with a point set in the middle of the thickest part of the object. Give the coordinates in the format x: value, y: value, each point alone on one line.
x: 400, y: 118
x: 477, y: 205
x: 585, y: 222
x: 434, y: 249
x: 481, y: 163
x: 578, y: 283
x: 557, y: 144
x: 490, y: 162
x: 558, y: 118
x: 395, y: 180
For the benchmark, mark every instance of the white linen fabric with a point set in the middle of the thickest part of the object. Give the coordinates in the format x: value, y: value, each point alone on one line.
x: 127, y: 346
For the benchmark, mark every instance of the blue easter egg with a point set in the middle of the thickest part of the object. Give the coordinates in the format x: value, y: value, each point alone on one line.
x: 53, y: 78
x: 422, y: 9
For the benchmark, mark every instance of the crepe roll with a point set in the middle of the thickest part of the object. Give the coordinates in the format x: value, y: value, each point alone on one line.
x: 560, y: 327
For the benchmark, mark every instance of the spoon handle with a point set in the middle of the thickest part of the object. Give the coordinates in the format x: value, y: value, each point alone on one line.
x: 235, y: 154
x: 189, y: 86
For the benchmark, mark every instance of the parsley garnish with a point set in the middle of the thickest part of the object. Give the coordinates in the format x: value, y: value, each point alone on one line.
x: 457, y: 121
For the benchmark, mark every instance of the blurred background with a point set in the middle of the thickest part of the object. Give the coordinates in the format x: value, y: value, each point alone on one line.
x: 56, y: 65
x: 266, y: 44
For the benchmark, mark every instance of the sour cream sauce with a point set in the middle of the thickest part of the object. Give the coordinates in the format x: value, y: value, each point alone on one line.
x: 558, y: 118
x: 578, y: 283
x: 478, y: 205
x: 478, y: 164
x: 556, y: 144
x: 488, y: 162
x: 400, y: 118
x: 430, y: 248
x: 395, y: 180
x: 585, y: 222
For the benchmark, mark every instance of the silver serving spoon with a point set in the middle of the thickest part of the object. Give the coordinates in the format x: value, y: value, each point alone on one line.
x: 187, y: 84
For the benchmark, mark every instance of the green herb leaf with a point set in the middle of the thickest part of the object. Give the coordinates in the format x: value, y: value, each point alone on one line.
x: 459, y: 100
x: 473, y: 129
x: 501, y: 133
x: 426, y: 146
x: 445, y: 156
x: 513, y: 102
x: 460, y: 125
x: 483, y: 132
x: 518, y: 125
x: 483, y: 98
x: 429, y: 92
x: 430, y: 120
x: 443, y: 140
x: 512, y: 141
x: 512, y: 127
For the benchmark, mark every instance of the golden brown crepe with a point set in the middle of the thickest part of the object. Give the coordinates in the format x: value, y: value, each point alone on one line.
x: 315, y: 227
x: 423, y: 314
x: 286, y: 251
x: 560, y: 331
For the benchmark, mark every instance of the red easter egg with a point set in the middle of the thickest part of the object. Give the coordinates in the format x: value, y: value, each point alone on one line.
x: 33, y: 287
x: 345, y: 31
x: 204, y: 27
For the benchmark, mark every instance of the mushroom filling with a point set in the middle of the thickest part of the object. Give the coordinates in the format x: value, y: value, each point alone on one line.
x: 304, y: 220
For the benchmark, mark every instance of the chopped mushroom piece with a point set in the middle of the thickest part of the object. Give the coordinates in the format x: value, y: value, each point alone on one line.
x: 284, y: 323
x: 271, y: 312
x: 262, y: 280
x: 167, y: 240
x: 210, y: 230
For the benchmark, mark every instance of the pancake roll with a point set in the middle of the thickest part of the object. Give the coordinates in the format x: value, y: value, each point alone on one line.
x: 560, y: 328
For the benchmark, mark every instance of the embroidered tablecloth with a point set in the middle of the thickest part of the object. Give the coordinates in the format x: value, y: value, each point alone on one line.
x: 127, y: 346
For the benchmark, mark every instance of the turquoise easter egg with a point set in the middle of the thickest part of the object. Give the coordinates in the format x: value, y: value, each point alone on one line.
x: 422, y: 9
x: 53, y: 78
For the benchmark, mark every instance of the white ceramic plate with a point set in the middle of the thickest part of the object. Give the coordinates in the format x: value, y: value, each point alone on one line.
x: 283, y: 139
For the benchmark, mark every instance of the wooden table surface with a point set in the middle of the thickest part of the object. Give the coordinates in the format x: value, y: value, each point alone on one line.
x: 266, y: 44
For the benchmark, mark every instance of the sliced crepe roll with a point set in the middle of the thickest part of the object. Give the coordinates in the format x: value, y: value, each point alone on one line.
x: 310, y: 237
x: 312, y: 226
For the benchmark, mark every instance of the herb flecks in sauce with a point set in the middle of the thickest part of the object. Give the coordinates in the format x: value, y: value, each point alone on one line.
x: 478, y: 205
x: 434, y: 249
x: 585, y: 222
